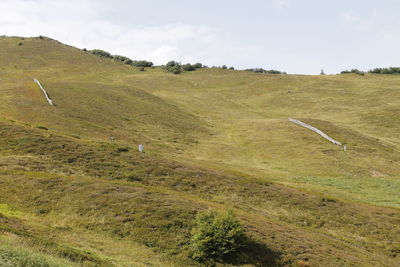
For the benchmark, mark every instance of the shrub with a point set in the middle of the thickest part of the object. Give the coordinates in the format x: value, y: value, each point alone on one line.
x: 171, y: 63
x: 142, y: 63
x: 216, y: 236
x: 188, y: 67
x: 261, y: 70
x: 391, y: 70
x: 20, y: 43
x: 356, y: 71
x: 257, y: 70
x: 101, y: 53
x: 274, y: 72
x: 174, y: 67
x: 376, y: 71
x: 122, y: 59
x: 394, y: 70
x: 224, y: 67
x: 197, y: 65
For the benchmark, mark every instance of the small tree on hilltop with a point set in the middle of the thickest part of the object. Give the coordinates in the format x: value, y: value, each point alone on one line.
x: 216, y: 236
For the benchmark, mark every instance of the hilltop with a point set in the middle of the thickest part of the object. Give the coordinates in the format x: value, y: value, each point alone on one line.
x: 214, y: 138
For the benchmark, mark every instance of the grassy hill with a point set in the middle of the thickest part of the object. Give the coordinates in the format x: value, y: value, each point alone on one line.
x: 214, y: 138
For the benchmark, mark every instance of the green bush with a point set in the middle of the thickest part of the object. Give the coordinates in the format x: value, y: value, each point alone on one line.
x: 356, y: 71
x: 188, y: 67
x: 391, y: 70
x: 216, y: 236
x: 174, y: 67
x: 261, y: 70
x: 123, y: 59
x: 101, y: 53
x: 197, y: 65
x: 142, y: 63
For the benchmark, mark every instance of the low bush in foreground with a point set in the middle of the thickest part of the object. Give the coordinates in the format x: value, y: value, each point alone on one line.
x: 216, y: 236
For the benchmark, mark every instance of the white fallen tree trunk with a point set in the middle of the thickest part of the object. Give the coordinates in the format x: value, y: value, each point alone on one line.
x: 44, y: 92
x: 321, y: 133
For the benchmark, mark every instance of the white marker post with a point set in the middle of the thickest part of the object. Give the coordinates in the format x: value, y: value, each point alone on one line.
x: 141, y: 148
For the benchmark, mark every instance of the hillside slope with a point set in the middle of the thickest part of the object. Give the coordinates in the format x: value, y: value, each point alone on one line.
x: 89, y: 102
x: 213, y: 138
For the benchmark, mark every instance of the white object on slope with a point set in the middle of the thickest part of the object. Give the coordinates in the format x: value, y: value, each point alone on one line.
x: 315, y: 130
x: 44, y: 92
x: 141, y: 148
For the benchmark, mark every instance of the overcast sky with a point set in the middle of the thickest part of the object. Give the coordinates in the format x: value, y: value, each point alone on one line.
x: 296, y: 36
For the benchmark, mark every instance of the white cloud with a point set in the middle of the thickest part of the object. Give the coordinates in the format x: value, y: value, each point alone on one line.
x: 164, y: 53
x: 74, y: 22
x: 300, y: 41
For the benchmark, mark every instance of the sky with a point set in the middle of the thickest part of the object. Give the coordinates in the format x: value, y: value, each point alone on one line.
x: 296, y: 36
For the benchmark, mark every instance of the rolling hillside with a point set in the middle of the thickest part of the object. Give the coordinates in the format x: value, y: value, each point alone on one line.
x: 213, y: 138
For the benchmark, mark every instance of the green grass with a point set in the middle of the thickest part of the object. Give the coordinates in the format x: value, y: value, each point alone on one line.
x: 18, y: 257
x: 213, y: 138
x: 8, y: 211
x: 382, y: 191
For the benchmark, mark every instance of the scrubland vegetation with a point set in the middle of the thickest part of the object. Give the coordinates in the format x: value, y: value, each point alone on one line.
x: 215, y: 140
x: 121, y: 59
x: 390, y: 70
x: 261, y: 70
